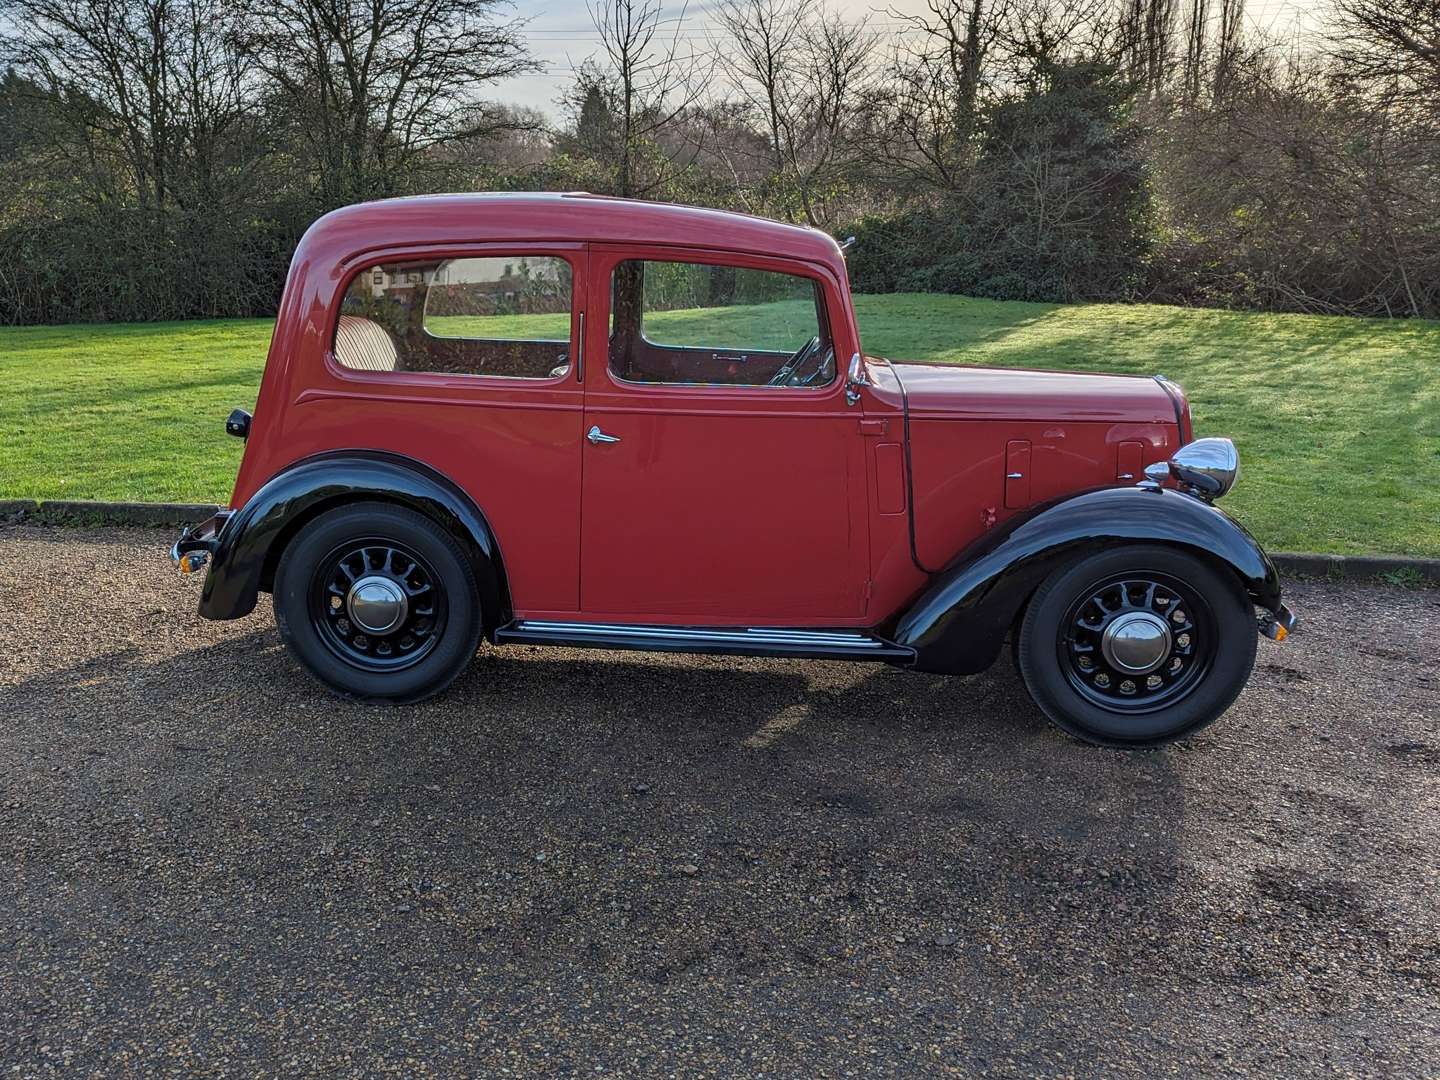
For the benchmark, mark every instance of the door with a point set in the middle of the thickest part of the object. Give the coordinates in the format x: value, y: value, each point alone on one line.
x: 723, y: 472
x: 465, y: 359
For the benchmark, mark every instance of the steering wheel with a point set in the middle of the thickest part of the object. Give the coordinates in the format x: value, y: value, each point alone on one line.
x: 787, y: 370
x: 824, y: 370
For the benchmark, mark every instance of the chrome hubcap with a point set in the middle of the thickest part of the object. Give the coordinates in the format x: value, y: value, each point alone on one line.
x: 376, y: 604
x: 1132, y: 643
x: 1136, y: 642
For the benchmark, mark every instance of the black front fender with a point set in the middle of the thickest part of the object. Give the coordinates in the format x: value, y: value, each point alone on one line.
x: 960, y: 622
x: 255, y: 534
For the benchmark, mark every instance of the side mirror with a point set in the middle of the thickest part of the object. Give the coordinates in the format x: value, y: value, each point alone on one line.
x: 855, y: 379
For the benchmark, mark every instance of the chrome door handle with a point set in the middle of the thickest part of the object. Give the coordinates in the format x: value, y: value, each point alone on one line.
x: 1014, y: 476
x: 596, y: 436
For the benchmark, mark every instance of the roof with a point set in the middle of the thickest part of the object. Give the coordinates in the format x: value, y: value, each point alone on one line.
x: 574, y: 217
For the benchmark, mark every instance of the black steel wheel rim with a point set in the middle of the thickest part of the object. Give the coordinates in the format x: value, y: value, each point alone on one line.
x: 1187, y: 657
x: 392, y: 568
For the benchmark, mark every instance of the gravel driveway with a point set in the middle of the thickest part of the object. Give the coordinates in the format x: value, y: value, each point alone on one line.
x: 581, y: 863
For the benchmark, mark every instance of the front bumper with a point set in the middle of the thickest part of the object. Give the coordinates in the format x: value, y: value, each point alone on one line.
x: 198, y: 542
x: 1280, y: 624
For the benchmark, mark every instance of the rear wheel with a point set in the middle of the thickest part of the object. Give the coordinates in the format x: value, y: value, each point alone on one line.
x: 379, y: 602
x: 1137, y: 646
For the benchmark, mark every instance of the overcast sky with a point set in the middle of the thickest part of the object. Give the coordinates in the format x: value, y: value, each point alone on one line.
x: 560, y: 33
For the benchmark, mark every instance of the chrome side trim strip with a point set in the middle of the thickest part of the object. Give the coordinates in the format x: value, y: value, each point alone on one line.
x: 580, y: 352
x: 750, y: 635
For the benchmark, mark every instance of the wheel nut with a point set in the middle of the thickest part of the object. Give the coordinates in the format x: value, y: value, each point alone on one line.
x: 1153, y: 682
x: 361, y: 641
x: 1176, y: 664
x: 1178, y: 615
x: 1183, y: 641
x: 1127, y: 687
x: 1102, y: 680
x: 1086, y: 664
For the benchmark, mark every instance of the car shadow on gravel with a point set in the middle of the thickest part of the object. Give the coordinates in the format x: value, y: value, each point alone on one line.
x: 658, y: 816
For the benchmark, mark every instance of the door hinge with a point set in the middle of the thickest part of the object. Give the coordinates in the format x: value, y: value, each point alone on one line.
x: 874, y: 427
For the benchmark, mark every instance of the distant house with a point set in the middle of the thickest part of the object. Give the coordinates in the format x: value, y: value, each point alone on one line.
x: 474, y: 286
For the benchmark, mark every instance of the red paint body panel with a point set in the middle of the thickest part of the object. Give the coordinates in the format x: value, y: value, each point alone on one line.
x: 961, y: 467
x: 890, y: 494
x: 513, y: 444
x: 713, y: 489
x: 1129, y: 461
x: 1017, y: 474
x: 719, y: 505
x: 952, y: 392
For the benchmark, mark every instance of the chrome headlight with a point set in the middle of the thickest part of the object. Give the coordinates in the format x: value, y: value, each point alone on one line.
x: 1209, y: 466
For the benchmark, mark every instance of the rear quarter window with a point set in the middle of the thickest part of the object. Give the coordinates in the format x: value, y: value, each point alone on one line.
x: 505, y: 316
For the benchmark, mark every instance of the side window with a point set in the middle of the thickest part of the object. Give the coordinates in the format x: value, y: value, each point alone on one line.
x: 506, y: 316
x: 712, y: 325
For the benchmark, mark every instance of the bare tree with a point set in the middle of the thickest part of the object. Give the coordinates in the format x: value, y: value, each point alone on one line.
x: 801, y: 74
x: 764, y: 35
x: 1149, y: 34
x: 1038, y: 35
x: 959, y: 34
x: 1391, y: 45
x: 500, y: 139
x: 648, y: 77
x: 824, y: 152
x: 1229, y: 46
x: 1197, y: 34
x: 930, y: 112
x: 151, y: 98
x: 371, y: 86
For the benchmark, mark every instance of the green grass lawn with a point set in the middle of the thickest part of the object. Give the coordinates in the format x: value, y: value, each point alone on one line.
x: 1338, y: 420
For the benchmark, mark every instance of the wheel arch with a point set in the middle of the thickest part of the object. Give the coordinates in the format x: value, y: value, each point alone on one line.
x: 959, y: 624
x: 254, y: 540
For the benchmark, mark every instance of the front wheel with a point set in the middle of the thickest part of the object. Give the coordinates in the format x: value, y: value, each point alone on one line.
x: 379, y: 602
x: 1137, y: 646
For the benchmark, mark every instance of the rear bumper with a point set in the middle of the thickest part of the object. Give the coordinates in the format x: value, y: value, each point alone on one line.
x: 198, y: 542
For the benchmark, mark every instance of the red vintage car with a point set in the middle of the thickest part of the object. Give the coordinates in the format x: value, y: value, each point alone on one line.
x: 573, y: 420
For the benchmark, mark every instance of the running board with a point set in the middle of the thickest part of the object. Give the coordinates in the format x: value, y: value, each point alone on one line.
x: 731, y: 640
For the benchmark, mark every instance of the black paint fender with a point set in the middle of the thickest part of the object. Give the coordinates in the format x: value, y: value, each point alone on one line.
x: 256, y: 533
x: 959, y: 624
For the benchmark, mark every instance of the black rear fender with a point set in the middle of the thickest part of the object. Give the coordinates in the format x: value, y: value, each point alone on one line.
x: 252, y: 541
x: 960, y: 623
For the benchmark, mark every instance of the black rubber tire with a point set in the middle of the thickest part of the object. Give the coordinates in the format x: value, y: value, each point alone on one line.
x: 1214, y: 692
x: 459, y: 639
